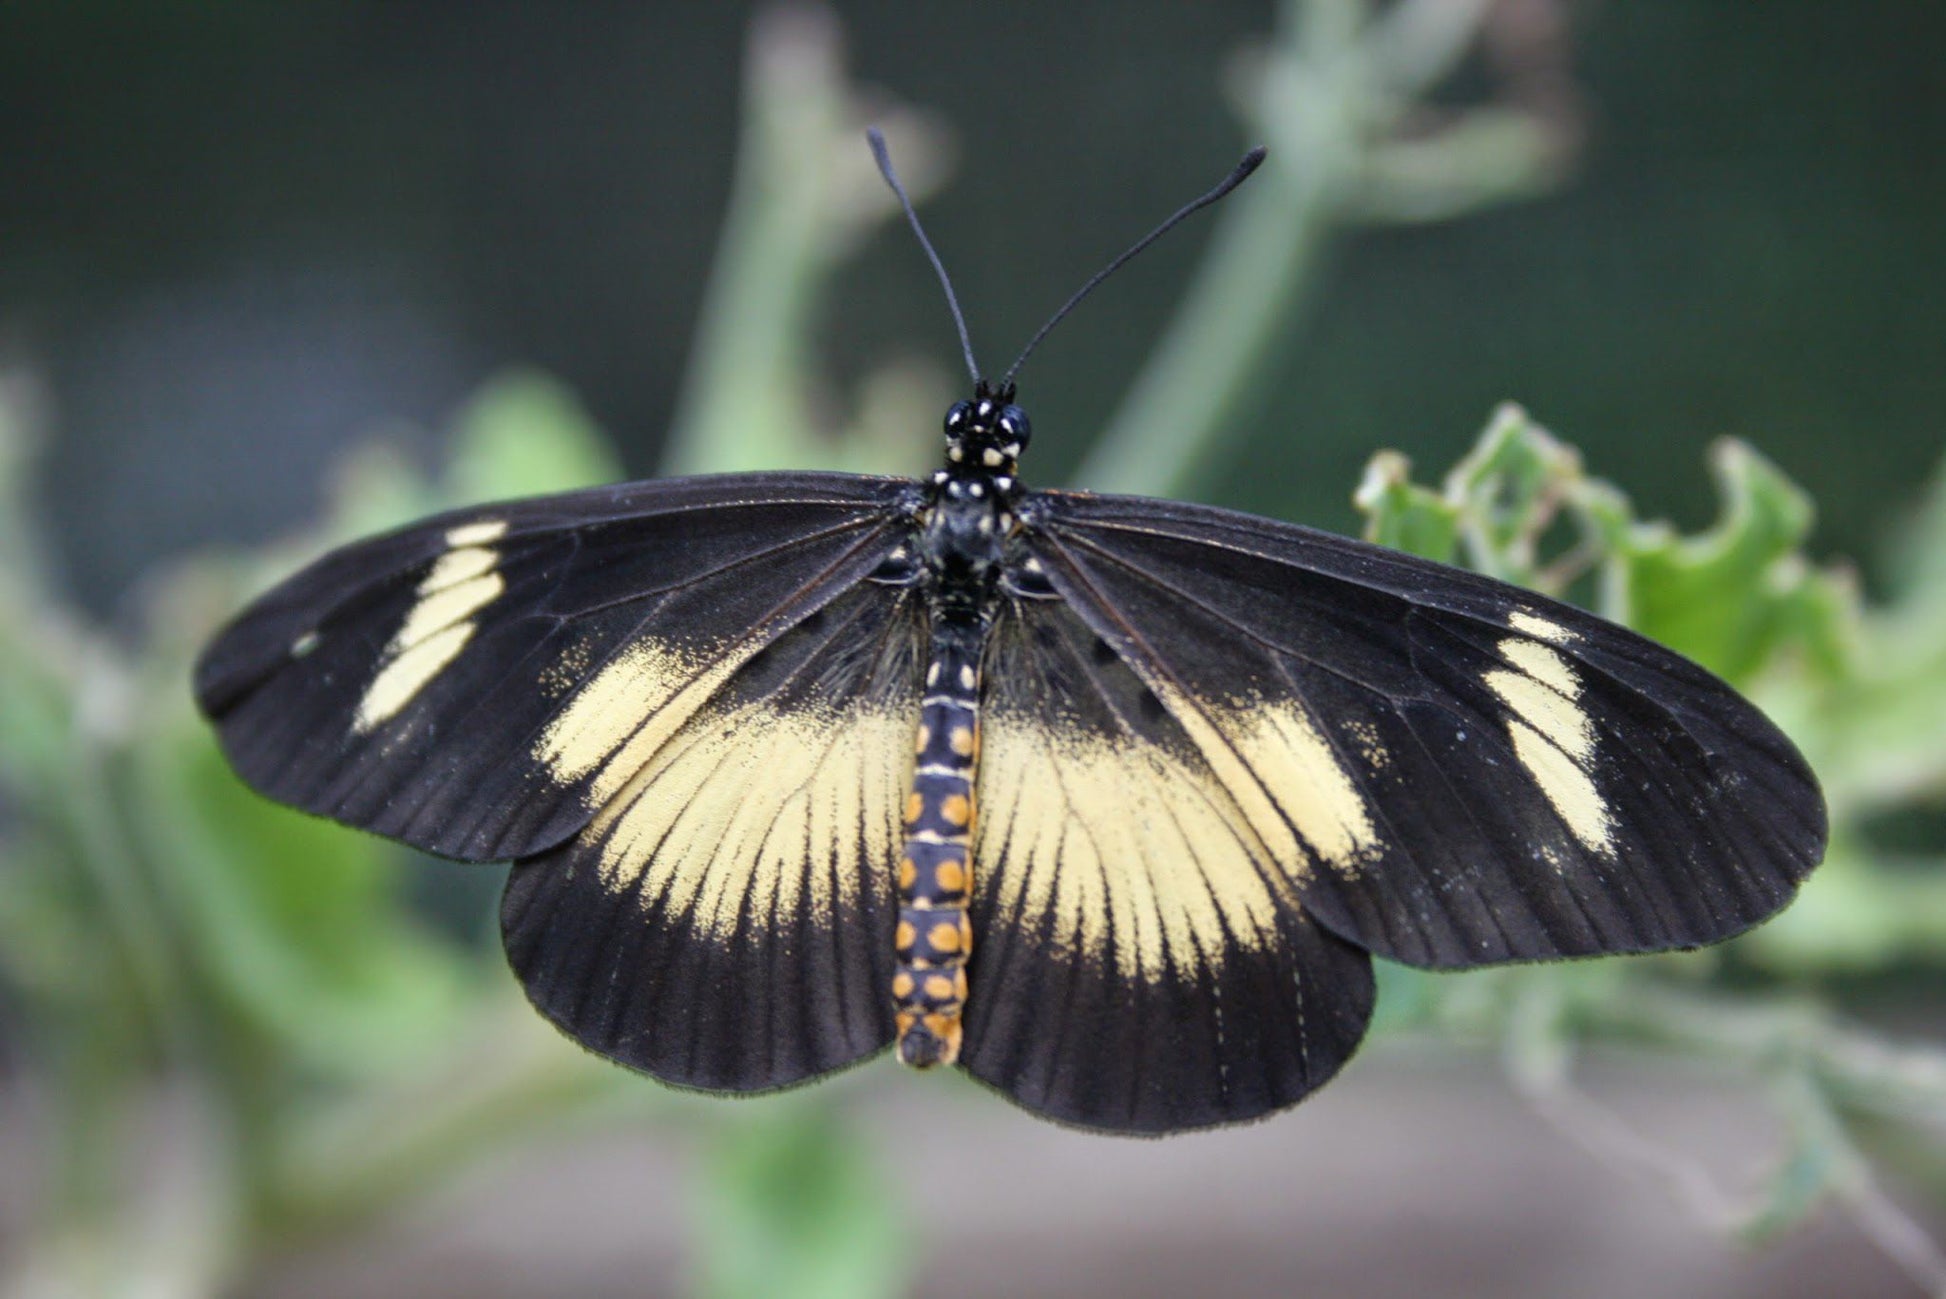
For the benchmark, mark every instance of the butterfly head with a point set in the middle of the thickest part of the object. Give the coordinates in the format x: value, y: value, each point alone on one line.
x: 985, y: 435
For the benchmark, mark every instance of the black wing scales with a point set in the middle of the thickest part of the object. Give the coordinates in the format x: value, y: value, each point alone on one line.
x: 1140, y: 963
x: 477, y: 684
x: 725, y: 920
x: 1456, y: 771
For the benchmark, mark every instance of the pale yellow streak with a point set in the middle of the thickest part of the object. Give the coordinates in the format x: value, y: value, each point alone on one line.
x: 1566, y: 785
x: 1542, y: 664
x: 628, y: 710
x: 1141, y: 858
x: 445, y: 607
x: 476, y: 534
x: 456, y: 566
x: 1304, y: 774
x: 1552, y: 735
x: 1535, y: 625
x: 1234, y: 774
x: 405, y: 676
x: 460, y: 583
x: 720, y: 813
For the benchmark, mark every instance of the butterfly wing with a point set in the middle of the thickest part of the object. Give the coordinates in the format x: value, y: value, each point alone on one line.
x: 478, y: 684
x: 1142, y: 961
x: 1452, y: 771
x: 725, y: 919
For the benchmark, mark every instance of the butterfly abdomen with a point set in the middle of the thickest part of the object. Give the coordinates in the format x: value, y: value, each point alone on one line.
x: 935, y: 872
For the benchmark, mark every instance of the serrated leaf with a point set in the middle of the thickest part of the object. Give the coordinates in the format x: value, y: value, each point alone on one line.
x: 1508, y: 490
x: 1403, y: 515
x: 1736, y: 593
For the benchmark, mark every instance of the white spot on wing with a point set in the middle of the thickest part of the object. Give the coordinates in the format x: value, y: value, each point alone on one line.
x: 476, y: 534
x: 404, y: 676
x: 1540, y: 628
x: 461, y: 582
x: 1553, y: 736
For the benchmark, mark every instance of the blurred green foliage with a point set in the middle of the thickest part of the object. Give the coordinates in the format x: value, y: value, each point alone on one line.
x: 171, y: 945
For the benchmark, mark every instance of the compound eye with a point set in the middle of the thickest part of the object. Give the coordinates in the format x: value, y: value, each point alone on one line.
x: 957, y: 415
x: 1014, y: 425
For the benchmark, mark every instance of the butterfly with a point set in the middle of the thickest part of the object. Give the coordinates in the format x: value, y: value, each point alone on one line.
x: 1108, y: 800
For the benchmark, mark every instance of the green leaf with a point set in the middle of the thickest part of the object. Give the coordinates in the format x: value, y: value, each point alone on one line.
x: 1508, y: 490
x: 296, y: 925
x: 526, y: 434
x: 794, y: 1209
x: 1736, y: 594
x: 1403, y: 515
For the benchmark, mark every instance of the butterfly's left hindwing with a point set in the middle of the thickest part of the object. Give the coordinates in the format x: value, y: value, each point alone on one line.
x: 1452, y: 771
x: 478, y: 684
x: 1141, y: 960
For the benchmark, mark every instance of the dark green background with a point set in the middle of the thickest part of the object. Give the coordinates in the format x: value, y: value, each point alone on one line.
x: 240, y: 236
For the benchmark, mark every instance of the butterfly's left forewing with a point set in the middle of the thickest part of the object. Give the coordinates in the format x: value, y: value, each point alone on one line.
x: 478, y: 684
x: 1452, y: 771
x: 686, y: 707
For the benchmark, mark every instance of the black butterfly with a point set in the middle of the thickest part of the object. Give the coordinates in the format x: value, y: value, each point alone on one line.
x: 1218, y: 763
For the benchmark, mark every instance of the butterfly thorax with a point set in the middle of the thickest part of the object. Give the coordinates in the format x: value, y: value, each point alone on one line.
x: 969, y: 511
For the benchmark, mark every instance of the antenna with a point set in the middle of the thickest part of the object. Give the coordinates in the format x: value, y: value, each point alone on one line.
x: 1240, y: 173
x: 885, y: 169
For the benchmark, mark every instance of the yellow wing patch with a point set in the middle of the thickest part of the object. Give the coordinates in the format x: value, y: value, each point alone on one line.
x: 631, y: 707
x: 760, y: 810
x: 1552, y: 735
x: 1538, y: 627
x: 462, y: 582
x: 1140, y: 856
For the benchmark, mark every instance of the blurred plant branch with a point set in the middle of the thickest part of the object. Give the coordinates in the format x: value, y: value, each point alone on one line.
x: 804, y: 195
x: 1339, y: 95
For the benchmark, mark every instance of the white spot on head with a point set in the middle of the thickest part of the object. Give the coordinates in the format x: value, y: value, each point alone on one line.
x: 992, y: 458
x: 1012, y: 449
x: 1004, y: 483
x: 976, y: 489
x: 954, y: 454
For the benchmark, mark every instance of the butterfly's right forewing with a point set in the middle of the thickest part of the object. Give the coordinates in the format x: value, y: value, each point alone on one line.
x: 1452, y: 771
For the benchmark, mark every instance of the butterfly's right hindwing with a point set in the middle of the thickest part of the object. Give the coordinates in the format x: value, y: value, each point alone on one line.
x: 478, y: 684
